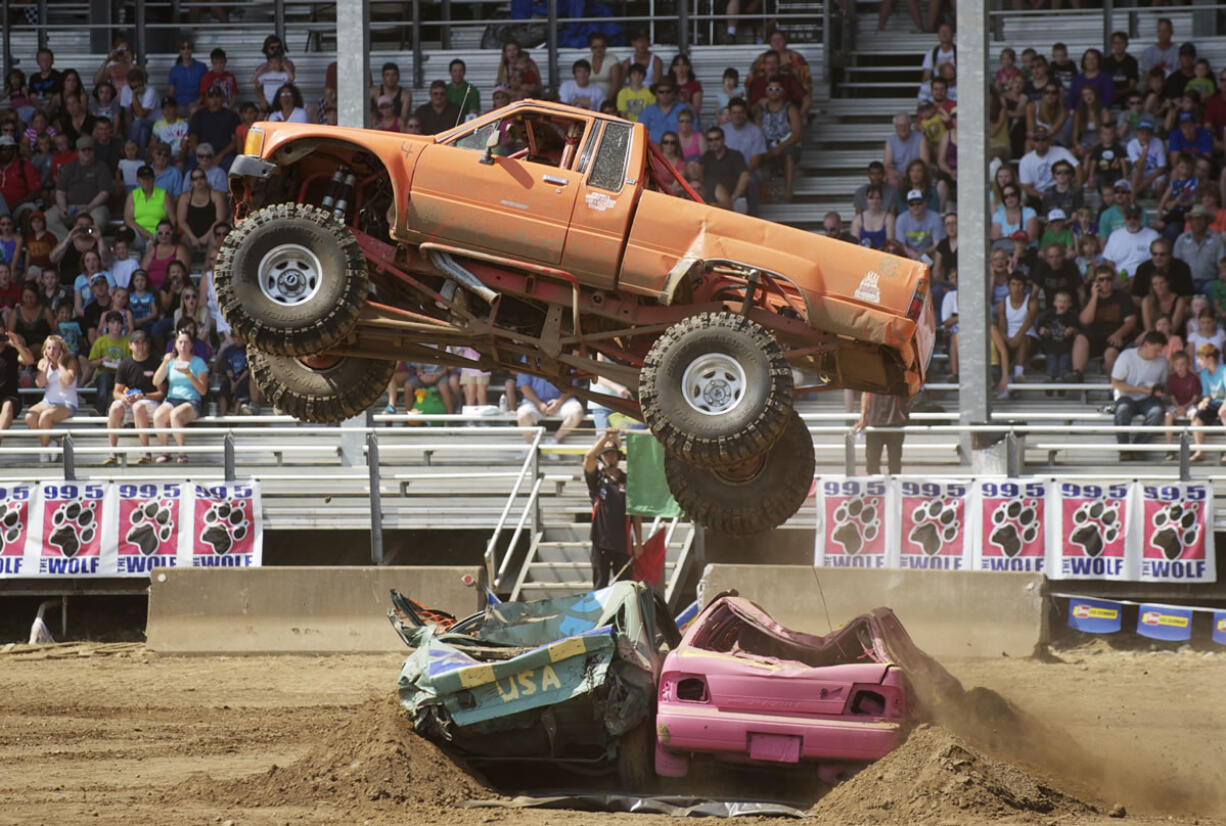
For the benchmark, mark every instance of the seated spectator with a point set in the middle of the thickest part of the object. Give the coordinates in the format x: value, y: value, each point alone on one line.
x: 1200, y: 249
x: 1008, y: 70
x: 671, y: 169
x: 1177, y: 80
x: 36, y: 242
x: 919, y: 229
x: 1091, y: 76
x: 919, y: 177
x: 57, y: 372
x: 1163, y: 301
x: 945, y: 256
x: 1004, y: 175
x: 206, y: 161
x: 170, y: 298
x: 730, y: 88
x: 1138, y: 379
x: 1126, y: 123
x: 191, y: 307
x: 120, y: 301
x: 104, y: 103
x: 1015, y: 317
x: 1088, y: 119
x: 402, y: 99
x: 1063, y: 69
x: 1209, y: 410
x: 31, y: 319
x: 1174, y: 344
x: 832, y: 224
x: 75, y: 121
x: 1177, y: 273
x: 50, y: 291
x: 129, y: 164
x: 187, y: 381
x: 661, y: 116
x: 653, y: 67
x: 781, y: 125
x: 384, y: 115
x: 11, y: 253
x: 142, y: 302
x: 689, y: 89
x: 102, y: 302
x: 1148, y: 158
x: 1183, y: 390
x: 901, y: 149
x: 1035, y: 169
x: 876, y: 177
x: 793, y: 92
x: 720, y: 174
x: 13, y: 354
x: 69, y: 328
x: 1207, y: 331
x: 160, y: 254
x: 219, y: 77
x: 1047, y: 118
x: 932, y: 119
x: 1121, y: 67
x: 236, y: 384
x: 947, y: 154
x: 791, y: 62
x: 634, y: 97
x: 581, y: 91
x: 166, y: 176
x: 1106, y: 161
x: 1190, y: 138
x: 1162, y: 55
x: 140, y: 106
x: 1058, y: 328
x: 183, y: 82
x: 123, y: 260
x: 540, y: 399
x: 1128, y: 246
x: 84, y: 284
x: 1064, y: 194
x: 19, y: 181
x: 437, y: 115
x: 692, y: 144
x: 1111, y: 216
x: 170, y: 130
x: 1178, y: 197
x: 82, y: 187
x: 10, y: 289
x: 270, y: 76
x: 288, y: 105
x: 522, y: 76
x: 874, y: 225
x: 147, y: 206
x: 1056, y: 231
x: 1109, y: 318
x: 212, y: 137
x: 606, y: 67
x: 949, y: 319
x: 418, y: 377
x: 107, y: 351
x: 200, y: 210
x: 1012, y: 217
x: 1055, y: 273
x: 1089, y: 254
x: 117, y: 63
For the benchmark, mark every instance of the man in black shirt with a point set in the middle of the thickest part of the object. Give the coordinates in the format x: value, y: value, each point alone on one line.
x: 1179, y: 78
x: 722, y: 175
x: 95, y: 310
x: 1109, y: 319
x: 439, y: 114
x: 13, y: 352
x: 606, y: 485
x: 1177, y: 272
x: 135, y: 395
x: 214, y: 125
x: 1054, y: 273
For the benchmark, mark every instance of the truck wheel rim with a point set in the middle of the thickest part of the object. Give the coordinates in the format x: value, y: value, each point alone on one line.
x: 290, y: 274
x: 713, y: 384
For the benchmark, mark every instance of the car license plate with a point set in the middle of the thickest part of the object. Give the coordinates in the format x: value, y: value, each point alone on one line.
x: 776, y: 748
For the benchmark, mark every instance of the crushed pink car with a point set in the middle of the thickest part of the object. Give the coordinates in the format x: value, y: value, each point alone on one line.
x: 742, y: 688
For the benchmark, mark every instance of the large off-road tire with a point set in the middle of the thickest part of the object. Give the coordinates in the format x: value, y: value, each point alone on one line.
x: 636, y: 768
x: 291, y: 280
x: 716, y: 389
x: 755, y: 496
x: 325, y: 389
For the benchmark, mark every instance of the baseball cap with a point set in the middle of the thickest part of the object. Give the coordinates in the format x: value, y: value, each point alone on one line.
x: 1132, y: 209
x: 1020, y: 235
x: 915, y: 195
x: 137, y: 335
x: 1187, y: 117
x: 1188, y: 48
x: 502, y: 89
x: 1146, y: 123
x: 1122, y: 185
x: 98, y: 276
x: 1200, y: 211
x: 382, y: 99
x: 7, y: 140
x: 1057, y: 214
x: 85, y: 142
x: 1039, y: 132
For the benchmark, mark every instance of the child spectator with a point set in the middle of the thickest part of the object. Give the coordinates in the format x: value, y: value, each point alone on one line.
x: 1007, y: 71
x: 43, y: 158
x: 473, y: 382
x: 64, y: 153
x: 634, y: 97
x: 10, y: 290
x: 730, y: 89
x: 235, y: 381
x: 1063, y: 69
x: 1209, y: 409
x: 50, y: 291
x: 218, y: 77
x: 1058, y: 327
x: 1177, y: 199
x: 949, y: 319
x: 1084, y: 226
x: 1207, y: 332
x: 171, y: 130
x: 128, y: 166
x: 1107, y: 160
x: 1199, y: 304
x: 107, y: 351
x: 249, y: 113
x: 142, y: 302
x: 10, y: 244
x: 1065, y: 193
x: 1202, y: 79
x: 104, y: 102
x: 1183, y: 391
x: 123, y: 262
x: 38, y: 127
x: 121, y: 305
x: 579, y: 90
x: 1217, y: 292
x: 1089, y: 255
x: 140, y: 103
x: 1057, y: 232
x: 1174, y: 342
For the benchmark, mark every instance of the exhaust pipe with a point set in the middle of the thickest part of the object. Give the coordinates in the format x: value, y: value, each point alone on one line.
x: 455, y: 270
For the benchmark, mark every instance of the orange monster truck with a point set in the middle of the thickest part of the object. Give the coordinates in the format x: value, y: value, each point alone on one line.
x: 540, y: 236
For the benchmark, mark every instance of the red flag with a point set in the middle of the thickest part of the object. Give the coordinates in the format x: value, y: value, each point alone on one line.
x: 649, y: 567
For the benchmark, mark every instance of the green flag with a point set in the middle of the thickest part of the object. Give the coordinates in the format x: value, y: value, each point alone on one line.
x: 647, y: 492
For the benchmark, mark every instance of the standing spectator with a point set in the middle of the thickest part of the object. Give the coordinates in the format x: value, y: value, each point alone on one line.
x: 1138, y: 378
x: 606, y: 485
x: 462, y: 94
x: 606, y: 67
x: 13, y: 354
x: 1034, y: 170
x: 1015, y: 317
x: 215, y: 126
x: 402, y: 99
x: 876, y: 177
x: 918, y: 229
x: 288, y: 105
x: 1200, y: 249
x: 661, y: 116
x: 880, y: 411
x: 136, y: 397
x: 219, y: 77
x: 1121, y: 66
x: 1109, y: 318
x: 187, y: 379
x: 1163, y: 54
x: 1058, y: 328
x: 1185, y: 71
x: 901, y: 148
x: 720, y: 174
x: 437, y: 115
x: 185, y: 77
x: 1128, y: 246
x: 147, y: 206
x: 540, y: 399
x: 19, y: 182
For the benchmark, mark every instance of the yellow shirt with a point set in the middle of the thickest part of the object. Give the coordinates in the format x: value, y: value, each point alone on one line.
x: 630, y: 102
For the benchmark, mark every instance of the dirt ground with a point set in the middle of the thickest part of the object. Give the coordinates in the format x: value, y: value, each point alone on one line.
x: 112, y: 734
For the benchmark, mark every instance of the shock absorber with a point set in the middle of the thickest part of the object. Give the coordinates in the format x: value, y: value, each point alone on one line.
x: 329, y: 200
x: 346, y: 194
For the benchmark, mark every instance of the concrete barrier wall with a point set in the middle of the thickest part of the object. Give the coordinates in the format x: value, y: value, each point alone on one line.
x: 947, y: 613
x: 296, y: 609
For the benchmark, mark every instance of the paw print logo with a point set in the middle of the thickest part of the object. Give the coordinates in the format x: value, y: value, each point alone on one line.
x: 1176, y: 528
x: 150, y: 525
x: 856, y: 522
x: 1095, y: 526
x: 225, y: 525
x: 10, y: 524
x: 935, y: 523
x: 1015, y: 524
x: 74, y: 525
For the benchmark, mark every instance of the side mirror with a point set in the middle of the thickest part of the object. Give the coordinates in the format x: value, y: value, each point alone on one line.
x: 491, y: 142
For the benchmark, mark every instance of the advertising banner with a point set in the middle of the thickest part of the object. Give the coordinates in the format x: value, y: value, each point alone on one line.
x: 1176, y: 532
x: 933, y: 531
x: 851, y: 523
x: 1011, y: 516
x: 1094, y: 616
x: 1164, y: 622
x: 1089, y: 532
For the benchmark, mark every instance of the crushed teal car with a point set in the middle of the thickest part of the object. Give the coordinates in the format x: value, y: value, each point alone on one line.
x: 568, y: 681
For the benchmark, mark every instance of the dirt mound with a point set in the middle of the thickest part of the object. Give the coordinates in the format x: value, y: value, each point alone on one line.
x: 935, y: 775
x: 371, y: 757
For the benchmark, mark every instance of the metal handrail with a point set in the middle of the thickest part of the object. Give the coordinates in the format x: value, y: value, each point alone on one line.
x: 529, y: 464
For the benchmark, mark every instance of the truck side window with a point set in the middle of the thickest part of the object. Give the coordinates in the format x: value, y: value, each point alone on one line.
x: 609, y: 167
x: 476, y: 139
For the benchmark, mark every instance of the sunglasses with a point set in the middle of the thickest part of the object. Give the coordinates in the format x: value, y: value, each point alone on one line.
x: 668, y: 141
x: 198, y: 178
x: 774, y: 88
x: 189, y: 295
x: 203, y: 156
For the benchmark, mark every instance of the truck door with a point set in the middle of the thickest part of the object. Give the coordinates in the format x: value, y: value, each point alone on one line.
x: 602, y: 212
x: 515, y: 202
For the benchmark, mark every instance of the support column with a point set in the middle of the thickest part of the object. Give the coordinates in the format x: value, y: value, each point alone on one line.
x: 353, y: 62
x: 974, y: 372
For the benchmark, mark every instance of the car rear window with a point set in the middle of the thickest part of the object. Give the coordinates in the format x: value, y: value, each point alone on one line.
x: 609, y: 168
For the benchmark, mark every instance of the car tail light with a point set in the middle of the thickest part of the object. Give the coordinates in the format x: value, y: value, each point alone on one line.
x: 885, y: 701
x: 917, y: 301
x: 693, y: 690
